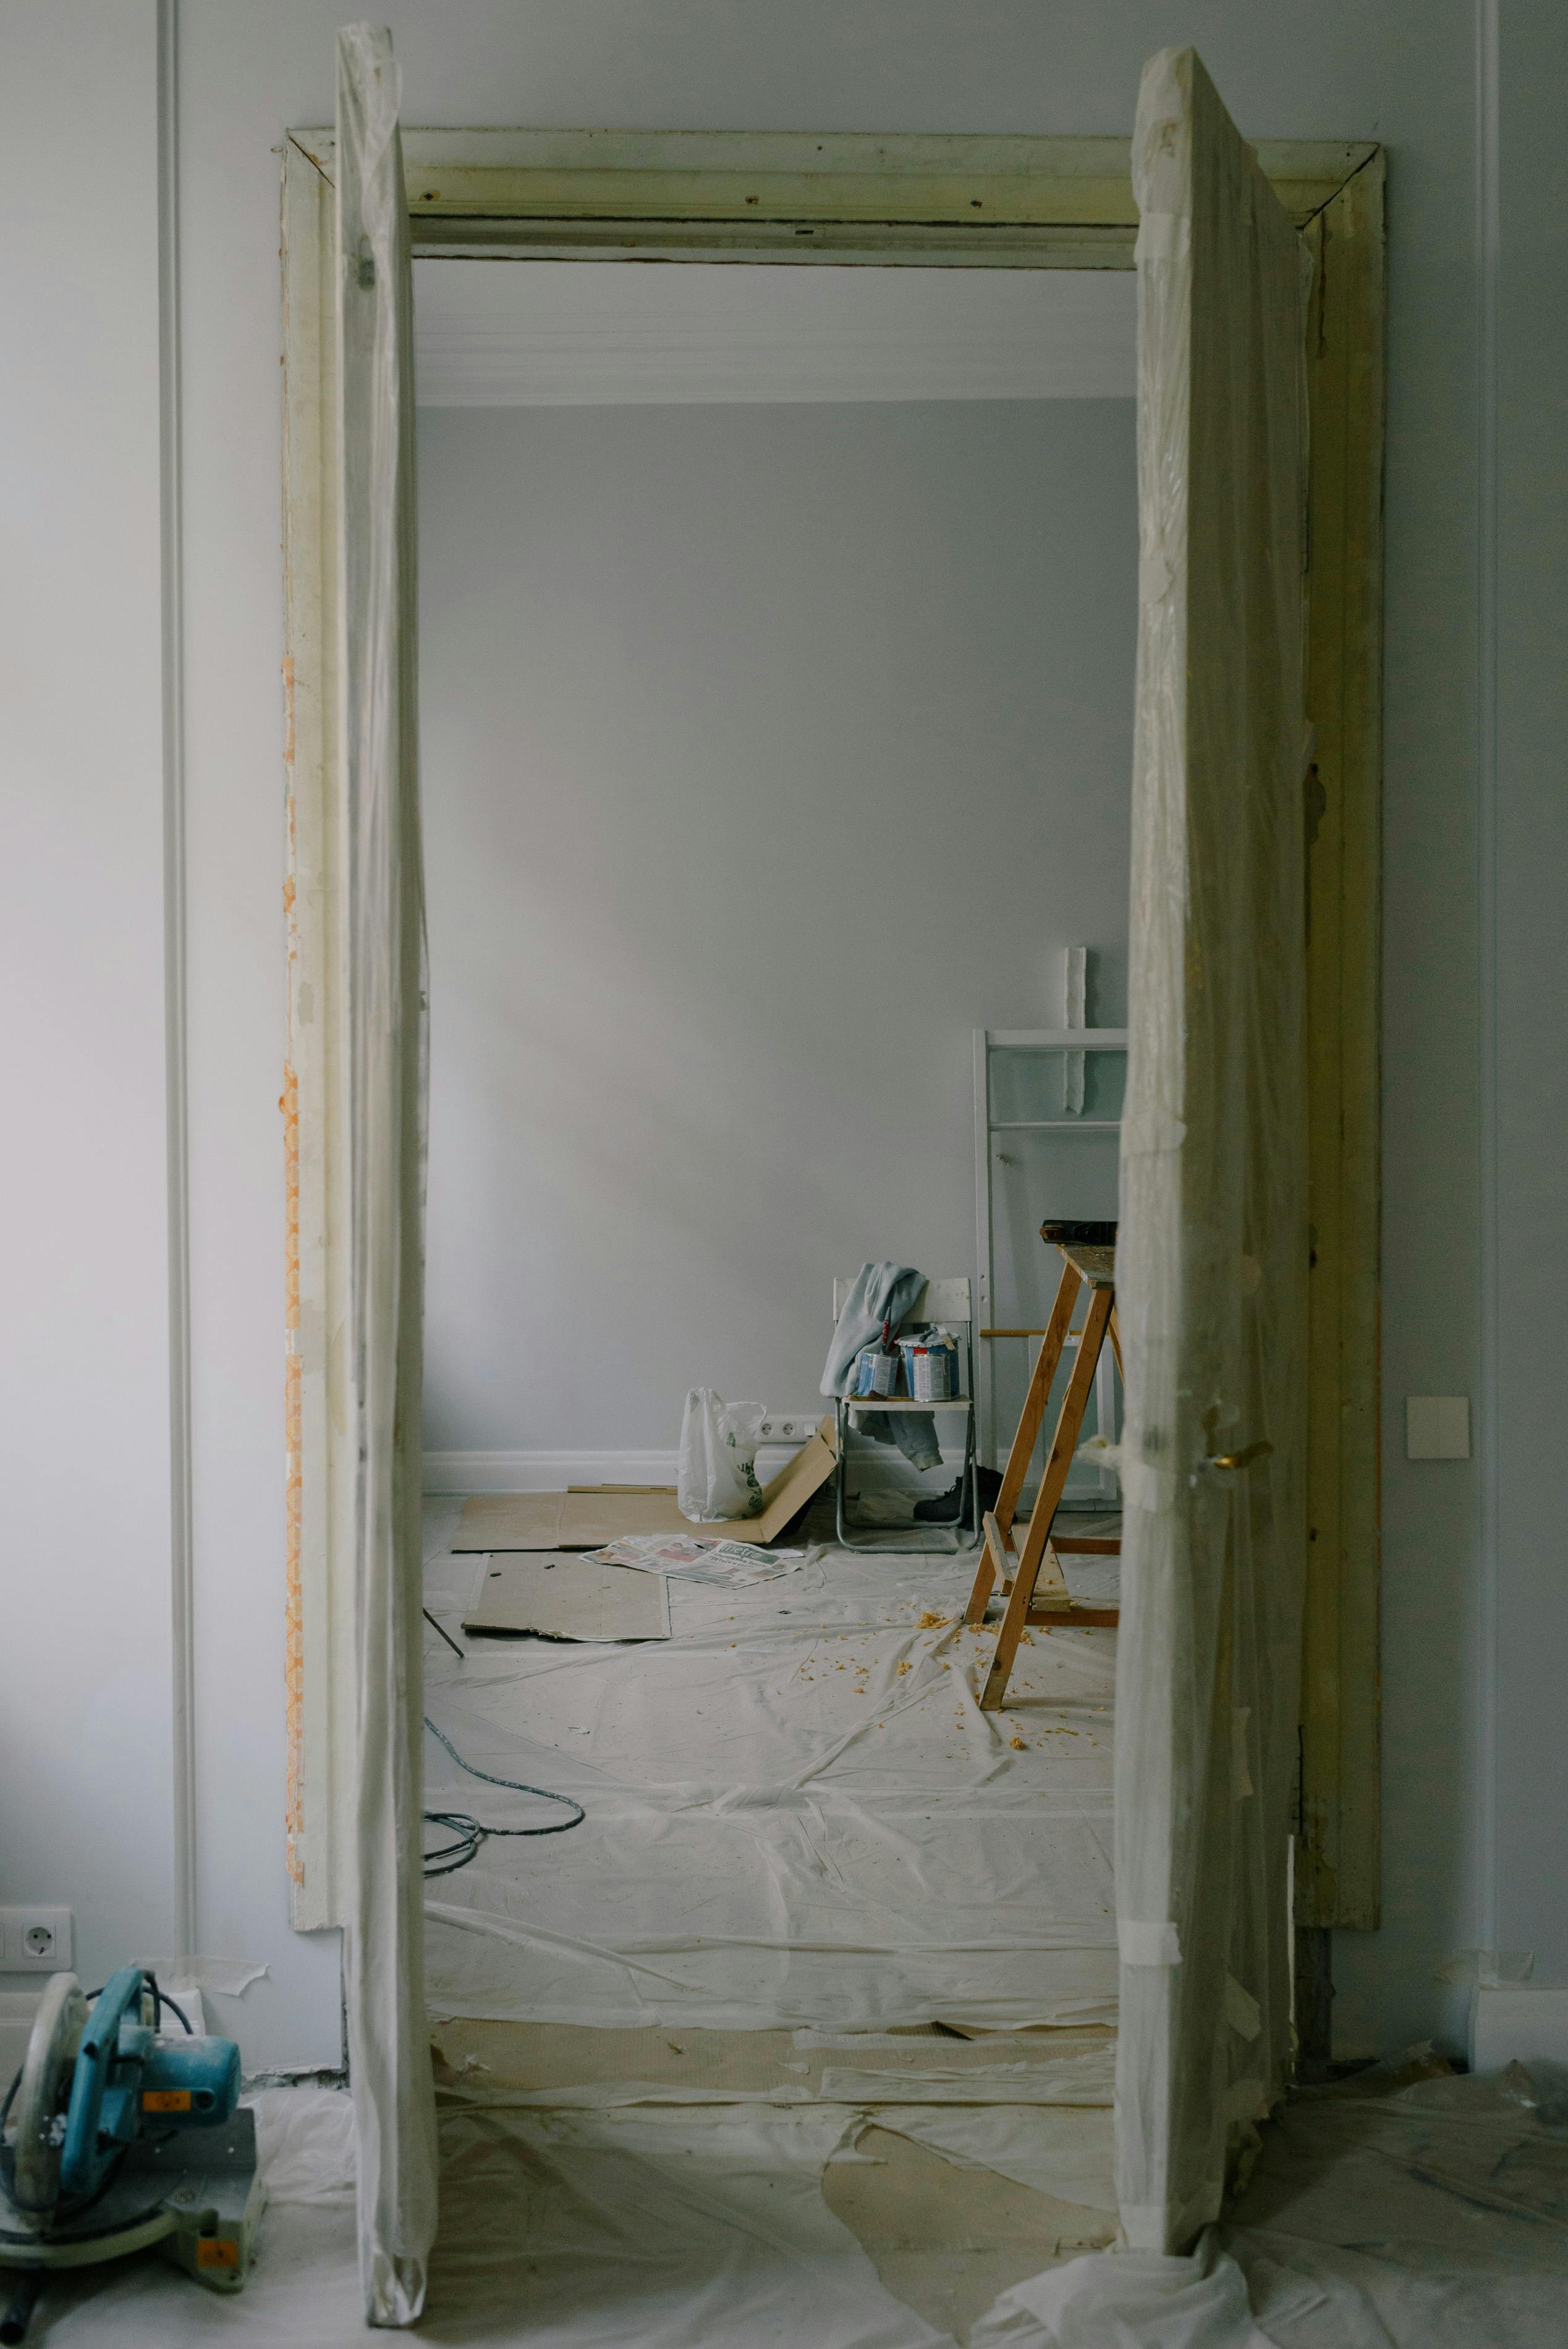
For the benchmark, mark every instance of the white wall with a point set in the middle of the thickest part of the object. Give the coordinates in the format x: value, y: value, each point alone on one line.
x: 1524, y: 841
x: 85, y: 1753
x: 768, y: 751
x: 1473, y: 1796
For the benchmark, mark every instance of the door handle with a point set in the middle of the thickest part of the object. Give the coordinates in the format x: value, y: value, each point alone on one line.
x: 1245, y: 1458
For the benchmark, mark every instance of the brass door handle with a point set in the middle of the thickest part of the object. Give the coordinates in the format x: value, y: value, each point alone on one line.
x: 1244, y: 1459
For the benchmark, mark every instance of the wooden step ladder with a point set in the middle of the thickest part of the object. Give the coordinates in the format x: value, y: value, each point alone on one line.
x: 1038, y: 1569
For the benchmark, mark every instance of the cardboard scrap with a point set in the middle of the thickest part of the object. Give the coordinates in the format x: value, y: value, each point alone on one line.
x: 583, y: 1520
x: 786, y: 1494
x: 495, y: 1521
x: 568, y: 1597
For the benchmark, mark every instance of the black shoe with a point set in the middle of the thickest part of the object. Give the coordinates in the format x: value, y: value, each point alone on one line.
x: 946, y: 1508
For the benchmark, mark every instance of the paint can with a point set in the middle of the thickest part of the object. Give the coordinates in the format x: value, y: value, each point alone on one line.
x: 876, y: 1373
x: 931, y: 1365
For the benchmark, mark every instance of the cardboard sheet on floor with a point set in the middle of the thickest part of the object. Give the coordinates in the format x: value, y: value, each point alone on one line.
x: 559, y: 2231
x: 495, y: 1521
x: 566, y: 1597
x: 1087, y: 2076
x: 1064, y: 2150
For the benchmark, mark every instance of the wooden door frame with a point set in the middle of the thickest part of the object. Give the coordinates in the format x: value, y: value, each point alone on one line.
x: 932, y: 202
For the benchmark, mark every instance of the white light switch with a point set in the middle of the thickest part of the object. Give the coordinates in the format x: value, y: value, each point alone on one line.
x: 1437, y: 1427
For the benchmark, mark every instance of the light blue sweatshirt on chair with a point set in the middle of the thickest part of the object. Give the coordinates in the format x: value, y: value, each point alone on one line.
x: 881, y: 1292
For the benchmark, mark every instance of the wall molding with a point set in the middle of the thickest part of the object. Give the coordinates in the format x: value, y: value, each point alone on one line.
x: 543, y: 1472
x: 1338, y: 1851
x: 553, y: 1471
x: 1487, y: 231
x: 182, y: 1628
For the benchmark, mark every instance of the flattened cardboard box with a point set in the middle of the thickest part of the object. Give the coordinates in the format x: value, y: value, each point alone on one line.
x: 568, y: 1597
x: 565, y: 1520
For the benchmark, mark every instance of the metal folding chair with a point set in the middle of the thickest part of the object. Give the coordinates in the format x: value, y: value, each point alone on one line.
x: 948, y: 1303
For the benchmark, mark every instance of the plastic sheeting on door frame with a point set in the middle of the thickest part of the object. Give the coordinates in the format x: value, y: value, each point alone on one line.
x: 382, y: 900
x: 1212, y: 1259
x: 1056, y: 202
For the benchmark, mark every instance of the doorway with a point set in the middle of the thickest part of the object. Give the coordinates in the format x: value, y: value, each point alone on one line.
x: 781, y: 228
x: 776, y: 644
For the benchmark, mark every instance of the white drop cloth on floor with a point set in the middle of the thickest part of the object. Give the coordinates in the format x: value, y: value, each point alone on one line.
x: 1126, y: 2300
x: 1433, y: 2215
x: 559, y: 2231
x: 797, y: 1814
x: 303, y: 2287
x: 1064, y: 2150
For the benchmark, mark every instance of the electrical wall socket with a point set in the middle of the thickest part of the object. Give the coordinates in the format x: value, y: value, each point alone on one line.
x: 35, y: 1940
x: 1437, y: 1427
x: 789, y: 1426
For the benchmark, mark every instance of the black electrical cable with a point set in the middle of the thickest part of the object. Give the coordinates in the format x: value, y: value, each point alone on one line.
x: 470, y: 1835
x: 162, y: 1999
x: 441, y: 1632
x: 25, y: 2290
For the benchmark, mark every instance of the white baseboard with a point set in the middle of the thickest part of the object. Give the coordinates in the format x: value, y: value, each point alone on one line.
x: 553, y: 1472
x: 543, y: 1472
x: 18, y: 2009
x: 1515, y: 2020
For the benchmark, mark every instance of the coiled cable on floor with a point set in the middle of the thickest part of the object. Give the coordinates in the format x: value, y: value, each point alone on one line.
x: 449, y: 1858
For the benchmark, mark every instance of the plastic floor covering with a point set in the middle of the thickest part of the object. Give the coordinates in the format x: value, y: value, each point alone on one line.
x: 798, y: 1817
x: 1432, y: 2214
x: 796, y: 1813
x: 1397, y: 2211
x: 559, y: 2231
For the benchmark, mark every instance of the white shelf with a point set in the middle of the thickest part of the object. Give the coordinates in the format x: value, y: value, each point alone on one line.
x: 1047, y: 1039
x: 905, y: 1402
x: 987, y: 1130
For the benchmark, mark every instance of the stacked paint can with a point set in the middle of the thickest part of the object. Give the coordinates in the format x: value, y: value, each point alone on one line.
x: 876, y: 1372
x: 931, y: 1365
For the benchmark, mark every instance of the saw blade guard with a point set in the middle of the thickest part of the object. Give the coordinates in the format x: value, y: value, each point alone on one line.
x: 41, y: 2096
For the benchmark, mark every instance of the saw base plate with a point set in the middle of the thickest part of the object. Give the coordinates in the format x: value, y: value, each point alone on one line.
x: 195, y: 2194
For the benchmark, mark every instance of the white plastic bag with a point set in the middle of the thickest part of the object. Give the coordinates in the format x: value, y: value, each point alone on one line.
x: 717, y: 1476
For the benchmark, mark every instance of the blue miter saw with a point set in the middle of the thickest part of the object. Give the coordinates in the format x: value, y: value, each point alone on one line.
x: 114, y: 2138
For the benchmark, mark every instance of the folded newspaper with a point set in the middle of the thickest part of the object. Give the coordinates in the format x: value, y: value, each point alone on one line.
x: 730, y: 1565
